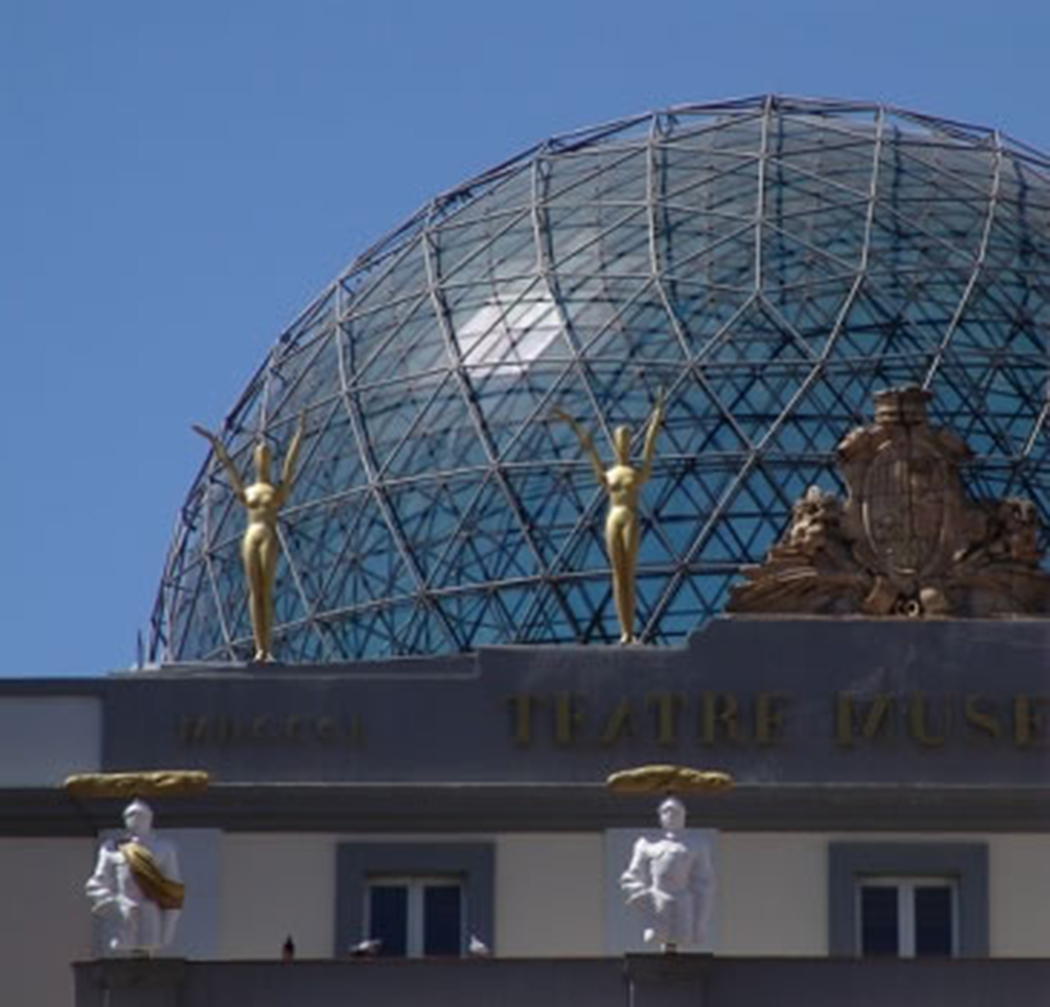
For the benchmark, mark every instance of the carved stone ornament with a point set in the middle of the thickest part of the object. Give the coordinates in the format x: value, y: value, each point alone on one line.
x: 908, y: 540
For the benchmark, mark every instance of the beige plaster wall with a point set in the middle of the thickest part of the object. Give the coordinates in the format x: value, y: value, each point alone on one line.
x: 45, y: 920
x: 773, y: 897
x: 1019, y: 886
x: 550, y: 891
x: 273, y: 886
x: 549, y: 895
x: 773, y: 894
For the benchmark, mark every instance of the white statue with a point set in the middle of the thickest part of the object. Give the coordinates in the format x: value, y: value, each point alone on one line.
x: 672, y: 883
x: 136, y: 883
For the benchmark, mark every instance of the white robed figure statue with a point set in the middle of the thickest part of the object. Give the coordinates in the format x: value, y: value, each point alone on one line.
x: 672, y: 883
x: 137, y: 884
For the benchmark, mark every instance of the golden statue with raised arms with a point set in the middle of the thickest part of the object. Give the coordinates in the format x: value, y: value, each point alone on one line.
x: 623, y: 483
x: 259, y: 548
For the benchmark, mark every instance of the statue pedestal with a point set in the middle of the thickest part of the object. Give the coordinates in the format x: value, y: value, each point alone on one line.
x: 130, y: 982
x: 667, y: 980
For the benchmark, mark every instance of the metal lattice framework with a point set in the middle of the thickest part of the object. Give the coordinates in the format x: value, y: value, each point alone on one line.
x: 771, y: 262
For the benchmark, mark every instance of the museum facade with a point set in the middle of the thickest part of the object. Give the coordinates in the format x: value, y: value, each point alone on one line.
x: 823, y: 326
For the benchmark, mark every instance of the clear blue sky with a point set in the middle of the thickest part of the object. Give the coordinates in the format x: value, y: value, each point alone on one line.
x: 178, y: 179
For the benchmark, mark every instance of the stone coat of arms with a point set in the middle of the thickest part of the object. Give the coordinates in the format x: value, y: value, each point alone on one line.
x: 908, y: 540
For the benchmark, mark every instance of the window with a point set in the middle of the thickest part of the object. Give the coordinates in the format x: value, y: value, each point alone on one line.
x: 908, y: 899
x: 418, y: 898
x: 415, y: 916
x: 907, y: 917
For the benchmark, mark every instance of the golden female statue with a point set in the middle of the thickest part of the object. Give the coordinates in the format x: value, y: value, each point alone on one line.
x: 259, y: 549
x: 623, y: 482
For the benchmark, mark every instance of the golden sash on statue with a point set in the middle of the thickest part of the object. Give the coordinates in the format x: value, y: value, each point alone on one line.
x: 155, y: 886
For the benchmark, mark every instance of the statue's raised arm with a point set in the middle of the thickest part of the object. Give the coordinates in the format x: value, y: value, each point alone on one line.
x: 651, y: 433
x: 291, y: 462
x: 586, y: 442
x: 224, y: 457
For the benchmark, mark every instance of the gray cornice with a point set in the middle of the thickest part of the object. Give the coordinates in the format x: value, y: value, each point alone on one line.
x: 490, y: 808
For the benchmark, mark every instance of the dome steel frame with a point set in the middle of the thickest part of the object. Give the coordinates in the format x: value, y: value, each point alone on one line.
x: 771, y: 262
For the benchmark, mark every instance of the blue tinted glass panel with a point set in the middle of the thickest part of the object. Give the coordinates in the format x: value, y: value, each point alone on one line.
x: 878, y: 921
x: 442, y: 920
x: 388, y: 918
x: 933, y: 920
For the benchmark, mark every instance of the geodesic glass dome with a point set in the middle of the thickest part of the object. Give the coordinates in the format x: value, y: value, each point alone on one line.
x: 771, y: 263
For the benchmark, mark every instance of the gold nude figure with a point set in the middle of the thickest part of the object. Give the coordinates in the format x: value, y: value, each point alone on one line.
x: 623, y: 483
x: 259, y: 549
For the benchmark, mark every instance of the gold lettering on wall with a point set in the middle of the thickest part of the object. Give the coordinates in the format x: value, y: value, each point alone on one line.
x: 192, y: 729
x: 619, y: 725
x: 1029, y: 721
x: 719, y: 714
x: 521, y: 706
x: 568, y: 717
x: 769, y: 718
x: 919, y: 719
x: 981, y: 717
x: 674, y: 720
x: 666, y: 706
x: 875, y: 722
x: 199, y: 730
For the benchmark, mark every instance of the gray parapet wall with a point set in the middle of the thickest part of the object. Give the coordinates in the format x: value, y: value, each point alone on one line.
x: 649, y: 981
x: 782, y: 700
x: 824, y: 723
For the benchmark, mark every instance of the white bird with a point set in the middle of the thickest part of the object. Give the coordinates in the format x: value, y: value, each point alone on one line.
x: 477, y: 948
x: 366, y: 949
